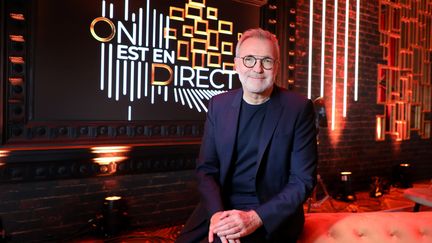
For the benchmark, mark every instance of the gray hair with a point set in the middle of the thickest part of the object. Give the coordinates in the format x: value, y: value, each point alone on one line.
x: 260, y: 34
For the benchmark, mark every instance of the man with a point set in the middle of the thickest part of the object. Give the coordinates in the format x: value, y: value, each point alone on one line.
x: 257, y: 163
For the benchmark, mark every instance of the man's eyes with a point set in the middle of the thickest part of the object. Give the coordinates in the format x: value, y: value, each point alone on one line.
x: 267, y: 60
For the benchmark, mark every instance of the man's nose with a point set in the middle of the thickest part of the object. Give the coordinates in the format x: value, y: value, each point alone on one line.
x: 258, y: 67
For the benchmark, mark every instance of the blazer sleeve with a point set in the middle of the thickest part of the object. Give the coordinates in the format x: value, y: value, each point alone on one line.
x: 208, y: 166
x: 302, y: 176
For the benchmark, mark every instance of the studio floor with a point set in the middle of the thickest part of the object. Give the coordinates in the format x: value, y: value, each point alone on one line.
x: 391, y: 201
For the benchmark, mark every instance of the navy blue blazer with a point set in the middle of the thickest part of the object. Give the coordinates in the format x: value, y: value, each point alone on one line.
x: 287, y: 159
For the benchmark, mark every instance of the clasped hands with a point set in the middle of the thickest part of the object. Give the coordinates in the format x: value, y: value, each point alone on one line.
x: 231, y: 225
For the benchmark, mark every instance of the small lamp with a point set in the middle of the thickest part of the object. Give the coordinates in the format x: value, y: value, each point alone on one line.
x: 114, y: 216
x: 346, y: 192
x: 402, y: 175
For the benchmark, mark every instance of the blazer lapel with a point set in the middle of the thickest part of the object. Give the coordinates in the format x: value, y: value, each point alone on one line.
x: 271, y: 120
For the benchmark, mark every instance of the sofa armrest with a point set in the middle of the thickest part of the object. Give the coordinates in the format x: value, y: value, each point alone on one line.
x: 376, y: 227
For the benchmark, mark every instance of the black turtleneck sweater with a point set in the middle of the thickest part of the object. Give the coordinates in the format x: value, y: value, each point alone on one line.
x: 241, y: 182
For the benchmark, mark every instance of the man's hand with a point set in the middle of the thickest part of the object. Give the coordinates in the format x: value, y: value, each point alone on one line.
x: 233, y: 224
x: 215, y: 219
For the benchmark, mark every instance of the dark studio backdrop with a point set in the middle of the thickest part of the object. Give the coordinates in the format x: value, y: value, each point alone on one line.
x: 133, y: 74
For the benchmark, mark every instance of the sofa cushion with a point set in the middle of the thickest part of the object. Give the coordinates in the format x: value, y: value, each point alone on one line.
x: 376, y: 227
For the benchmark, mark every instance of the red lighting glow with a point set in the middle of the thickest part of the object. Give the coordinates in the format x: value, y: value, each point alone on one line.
x: 3, y: 154
x: 339, y: 69
x: 110, y: 149
x: 108, y: 157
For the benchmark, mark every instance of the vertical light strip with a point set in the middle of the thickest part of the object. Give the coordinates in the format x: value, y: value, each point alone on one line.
x: 139, y: 80
x: 132, y: 81
x: 117, y: 80
x: 111, y: 14
x: 126, y: 10
x: 146, y: 79
x: 335, y: 25
x: 154, y: 28
x: 311, y: 3
x: 140, y: 21
x: 378, y: 128
x: 160, y: 30
x: 103, y: 8
x: 356, y: 64
x: 147, y: 22
x: 129, y: 113
x: 166, y: 94
x: 152, y: 94
x: 323, y: 44
x: 102, y: 68
x: 175, y: 76
x: 345, y: 88
x: 110, y: 59
x: 167, y: 32
x: 124, y: 77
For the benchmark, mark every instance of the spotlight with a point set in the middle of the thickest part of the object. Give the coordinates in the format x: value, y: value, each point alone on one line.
x: 3, y: 155
x: 107, y: 157
x: 346, y: 192
x: 114, y: 216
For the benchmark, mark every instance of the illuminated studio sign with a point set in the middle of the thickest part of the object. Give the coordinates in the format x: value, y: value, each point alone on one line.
x: 185, y: 56
x: 136, y: 60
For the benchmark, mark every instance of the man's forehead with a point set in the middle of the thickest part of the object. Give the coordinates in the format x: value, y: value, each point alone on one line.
x: 249, y: 46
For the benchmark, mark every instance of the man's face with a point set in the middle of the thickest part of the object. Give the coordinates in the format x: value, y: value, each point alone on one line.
x: 256, y: 80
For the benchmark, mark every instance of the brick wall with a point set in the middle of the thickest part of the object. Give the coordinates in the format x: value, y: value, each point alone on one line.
x: 352, y: 146
x: 57, y: 210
